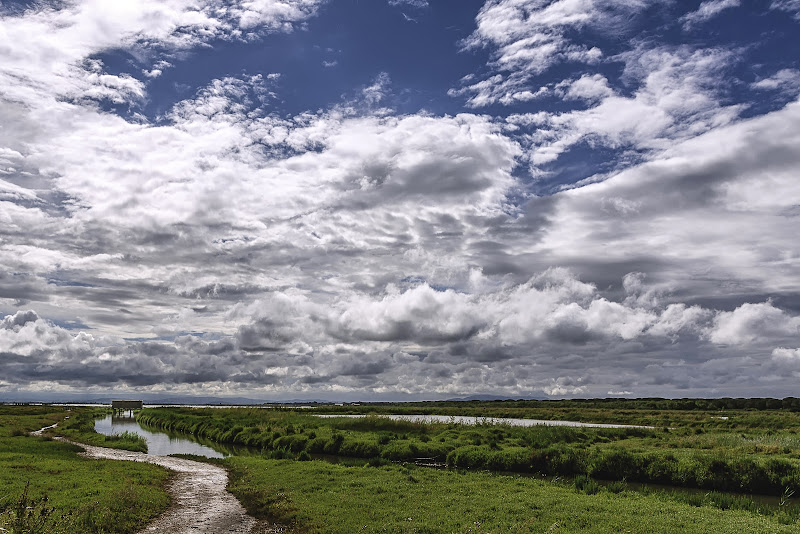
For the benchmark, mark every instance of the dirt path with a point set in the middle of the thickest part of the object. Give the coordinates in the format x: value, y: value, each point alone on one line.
x: 200, y: 502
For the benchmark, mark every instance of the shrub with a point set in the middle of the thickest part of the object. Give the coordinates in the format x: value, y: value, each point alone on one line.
x: 511, y: 459
x: 586, y: 484
x: 292, y: 442
x: 333, y: 445
x: 398, y: 450
x: 615, y: 464
x: 617, y: 486
x: 316, y: 445
x: 359, y: 448
x: 558, y: 460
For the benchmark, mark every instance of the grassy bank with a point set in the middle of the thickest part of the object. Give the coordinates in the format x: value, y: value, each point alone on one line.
x: 65, y: 492
x: 316, y: 497
x: 743, y: 458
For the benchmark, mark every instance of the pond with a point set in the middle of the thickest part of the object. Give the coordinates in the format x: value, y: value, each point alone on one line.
x: 158, y: 443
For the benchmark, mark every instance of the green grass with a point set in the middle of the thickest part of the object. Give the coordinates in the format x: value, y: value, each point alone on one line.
x: 85, y: 495
x: 751, y: 451
x: 316, y: 497
x: 740, y: 457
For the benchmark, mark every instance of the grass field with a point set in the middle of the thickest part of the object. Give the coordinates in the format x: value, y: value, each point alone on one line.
x: 317, y: 497
x: 46, y: 487
x: 750, y: 450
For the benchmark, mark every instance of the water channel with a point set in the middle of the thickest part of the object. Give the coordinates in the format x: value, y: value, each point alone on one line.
x: 159, y: 443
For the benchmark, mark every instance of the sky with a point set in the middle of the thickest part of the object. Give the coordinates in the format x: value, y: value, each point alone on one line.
x: 400, y: 199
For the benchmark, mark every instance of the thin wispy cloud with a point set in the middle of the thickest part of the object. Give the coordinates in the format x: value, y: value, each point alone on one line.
x: 707, y: 11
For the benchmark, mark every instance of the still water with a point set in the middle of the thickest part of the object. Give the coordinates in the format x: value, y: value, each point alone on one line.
x: 158, y: 443
x: 464, y: 420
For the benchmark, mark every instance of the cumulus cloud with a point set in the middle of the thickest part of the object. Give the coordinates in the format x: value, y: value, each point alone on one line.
x: 751, y: 323
x: 655, y: 210
x: 421, y: 314
x: 787, y: 355
x: 225, y: 247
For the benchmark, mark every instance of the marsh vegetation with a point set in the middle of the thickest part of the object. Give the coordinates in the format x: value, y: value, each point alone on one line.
x: 494, y: 478
x: 752, y: 452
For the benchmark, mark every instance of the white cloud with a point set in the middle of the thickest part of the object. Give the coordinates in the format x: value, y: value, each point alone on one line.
x: 707, y: 10
x: 676, y: 91
x: 552, y: 306
x: 419, y: 4
x: 587, y: 87
x: 26, y: 334
x: 378, y: 90
x: 419, y: 314
x: 529, y: 37
x: 786, y: 355
x: 46, y: 50
x: 740, y: 176
x: 751, y: 323
x: 785, y: 80
x: 157, y: 69
x: 790, y: 6
x: 678, y: 88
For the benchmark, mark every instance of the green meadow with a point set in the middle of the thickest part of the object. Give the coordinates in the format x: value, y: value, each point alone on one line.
x: 702, y: 468
x: 500, y: 478
x: 318, y: 497
x: 46, y: 487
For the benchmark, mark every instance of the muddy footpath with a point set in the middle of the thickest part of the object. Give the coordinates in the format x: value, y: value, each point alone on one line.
x: 200, y: 502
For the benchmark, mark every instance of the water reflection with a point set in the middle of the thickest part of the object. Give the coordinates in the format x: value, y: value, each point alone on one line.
x: 159, y: 443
